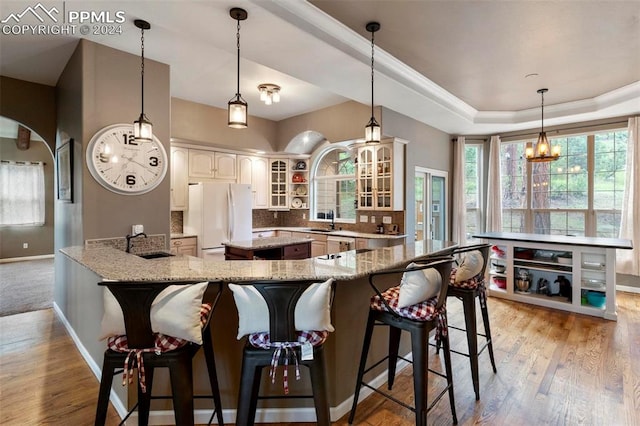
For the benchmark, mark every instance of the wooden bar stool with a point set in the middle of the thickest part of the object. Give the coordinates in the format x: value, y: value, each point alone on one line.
x: 468, y: 283
x: 417, y: 305
x: 180, y: 312
x: 285, y: 322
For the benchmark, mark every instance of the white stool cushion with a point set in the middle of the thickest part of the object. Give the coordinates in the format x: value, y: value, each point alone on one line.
x: 423, y: 311
x: 174, y: 312
x: 470, y: 266
x: 418, y: 286
x: 312, y: 312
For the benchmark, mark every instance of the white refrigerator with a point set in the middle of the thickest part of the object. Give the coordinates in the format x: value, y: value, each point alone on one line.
x: 218, y: 213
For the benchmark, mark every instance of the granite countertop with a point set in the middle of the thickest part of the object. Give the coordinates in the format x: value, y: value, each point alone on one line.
x: 175, y: 235
x: 617, y: 243
x: 116, y: 265
x: 337, y: 233
x: 266, y: 243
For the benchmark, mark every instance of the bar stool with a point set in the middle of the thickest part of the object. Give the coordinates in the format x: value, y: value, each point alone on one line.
x: 285, y: 321
x: 183, y: 308
x: 467, y: 288
x: 417, y: 305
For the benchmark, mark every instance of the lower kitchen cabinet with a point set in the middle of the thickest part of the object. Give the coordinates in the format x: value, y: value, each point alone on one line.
x: 187, y: 246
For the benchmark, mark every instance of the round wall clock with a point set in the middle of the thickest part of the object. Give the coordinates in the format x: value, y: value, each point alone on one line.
x: 123, y: 165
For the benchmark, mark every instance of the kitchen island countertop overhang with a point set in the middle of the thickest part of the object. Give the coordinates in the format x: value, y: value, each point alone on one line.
x: 115, y: 265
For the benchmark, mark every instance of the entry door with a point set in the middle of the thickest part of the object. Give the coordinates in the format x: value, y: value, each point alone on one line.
x: 431, y: 204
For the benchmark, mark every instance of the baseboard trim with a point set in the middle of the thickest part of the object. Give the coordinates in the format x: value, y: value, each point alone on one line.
x: 628, y: 289
x: 277, y: 415
x: 201, y: 416
x: 22, y: 259
x: 95, y: 368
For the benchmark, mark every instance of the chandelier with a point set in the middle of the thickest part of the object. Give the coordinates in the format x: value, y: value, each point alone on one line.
x: 542, y: 151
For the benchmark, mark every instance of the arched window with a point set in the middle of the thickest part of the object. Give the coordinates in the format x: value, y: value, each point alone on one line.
x: 334, y: 186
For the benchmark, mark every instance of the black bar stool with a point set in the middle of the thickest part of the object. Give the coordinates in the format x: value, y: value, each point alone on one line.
x: 467, y: 289
x: 419, y: 318
x: 279, y: 338
x: 145, y: 350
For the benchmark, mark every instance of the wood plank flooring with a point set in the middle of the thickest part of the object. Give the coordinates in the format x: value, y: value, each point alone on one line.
x: 554, y: 368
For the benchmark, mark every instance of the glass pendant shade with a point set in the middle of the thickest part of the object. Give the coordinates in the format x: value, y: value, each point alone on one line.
x: 237, y: 113
x: 143, y: 129
x: 372, y: 131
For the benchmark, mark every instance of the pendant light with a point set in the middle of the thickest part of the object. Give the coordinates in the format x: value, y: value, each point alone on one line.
x: 142, y: 128
x: 372, y: 129
x: 542, y: 151
x: 237, y: 105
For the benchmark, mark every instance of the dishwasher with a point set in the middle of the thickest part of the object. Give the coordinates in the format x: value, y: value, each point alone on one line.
x: 339, y: 244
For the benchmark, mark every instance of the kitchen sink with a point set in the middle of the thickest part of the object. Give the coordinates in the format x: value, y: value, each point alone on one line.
x: 320, y: 230
x: 155, y: 255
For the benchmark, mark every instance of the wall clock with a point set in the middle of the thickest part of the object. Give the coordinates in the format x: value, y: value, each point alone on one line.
x: 123, y: 165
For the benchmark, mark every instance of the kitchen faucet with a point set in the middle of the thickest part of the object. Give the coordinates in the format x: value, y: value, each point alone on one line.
x: 130, y: 237
x: 333, y: 220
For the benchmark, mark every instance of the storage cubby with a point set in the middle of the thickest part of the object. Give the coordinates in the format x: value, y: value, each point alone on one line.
x: 575, y: 274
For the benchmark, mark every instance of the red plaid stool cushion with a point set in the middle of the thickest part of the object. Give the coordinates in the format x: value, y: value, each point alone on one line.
x: 471, y: 283
x: 261, y: 340
x: 423, y: 311
x: 162, y: 343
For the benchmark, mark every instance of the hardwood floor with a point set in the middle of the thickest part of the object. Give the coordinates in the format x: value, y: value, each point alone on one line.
x: 554, y: 368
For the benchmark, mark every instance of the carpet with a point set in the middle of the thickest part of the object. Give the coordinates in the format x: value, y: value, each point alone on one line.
x: 26, y: 286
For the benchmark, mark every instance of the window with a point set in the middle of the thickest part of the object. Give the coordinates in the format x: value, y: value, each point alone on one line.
x: 335, y: 186
x: 21, y: 193
x: 472, y: 185
x: 579, y: 194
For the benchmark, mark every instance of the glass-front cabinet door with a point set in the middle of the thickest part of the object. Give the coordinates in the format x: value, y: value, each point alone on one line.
x: 384, y: 177
x: 278, y: 184
x: 365, y: 178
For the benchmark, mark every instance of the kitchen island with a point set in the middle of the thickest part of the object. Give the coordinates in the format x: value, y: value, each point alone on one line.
x: 349, y: 315
x: 530, y: 268
x: 270, y: 248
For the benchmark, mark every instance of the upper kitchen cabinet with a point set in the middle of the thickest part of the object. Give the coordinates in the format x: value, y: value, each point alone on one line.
x: 279, y: 183
x: 299, y: 183
x: 179, y: 178
x: 254, y: 171
x: 380, y: 176
x: 212, y: 165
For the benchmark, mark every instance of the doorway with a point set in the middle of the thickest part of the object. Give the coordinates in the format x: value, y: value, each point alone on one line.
x: 431, y: 189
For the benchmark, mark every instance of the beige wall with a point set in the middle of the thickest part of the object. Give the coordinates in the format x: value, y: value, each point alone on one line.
x: 207, y: 125
x: 39, y: 238
x: 343, y: 122
x: 427, y: 147
x: 32, y: 104
x: 98, y: 87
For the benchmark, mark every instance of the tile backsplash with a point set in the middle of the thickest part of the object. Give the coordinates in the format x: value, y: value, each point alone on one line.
x: 155, y: 242
x: 267, y: 218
